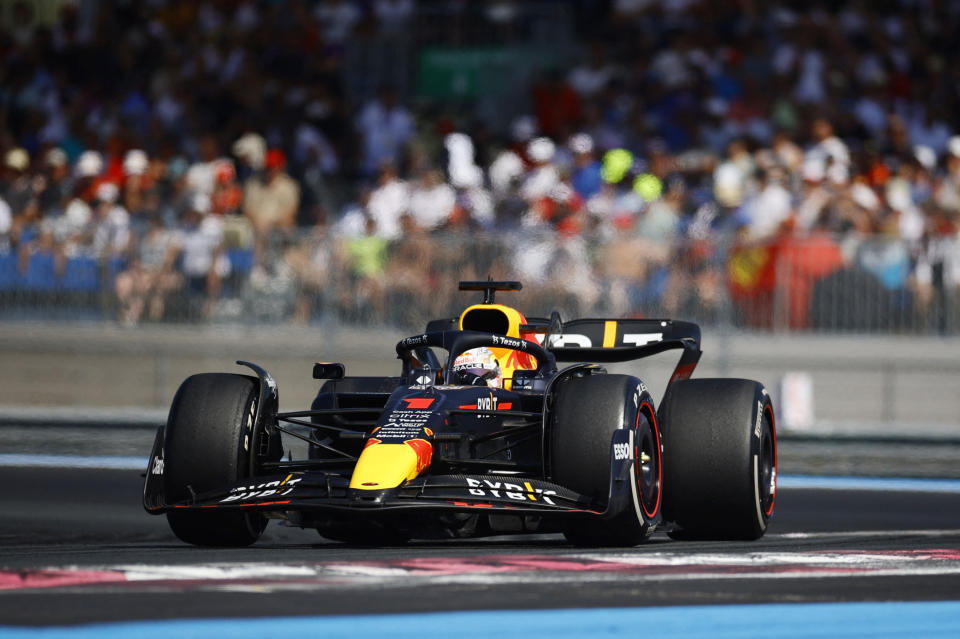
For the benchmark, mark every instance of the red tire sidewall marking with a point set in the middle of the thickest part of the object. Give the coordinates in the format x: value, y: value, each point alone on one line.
x: 651, y: 418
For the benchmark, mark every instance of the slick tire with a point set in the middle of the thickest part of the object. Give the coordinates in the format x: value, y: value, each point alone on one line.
x: 207, y: 445
x: 719, y: 459
x: 587, y: 411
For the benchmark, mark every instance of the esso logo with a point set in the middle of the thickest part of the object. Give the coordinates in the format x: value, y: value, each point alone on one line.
x: 621, y: 451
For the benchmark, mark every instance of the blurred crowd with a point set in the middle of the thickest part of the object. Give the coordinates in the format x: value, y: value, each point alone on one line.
x: 693, y: 152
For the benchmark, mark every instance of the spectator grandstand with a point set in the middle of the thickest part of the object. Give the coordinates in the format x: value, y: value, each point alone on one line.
x: 780, y: 165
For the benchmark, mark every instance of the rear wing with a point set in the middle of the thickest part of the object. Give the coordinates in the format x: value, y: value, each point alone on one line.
x: 601, y: 340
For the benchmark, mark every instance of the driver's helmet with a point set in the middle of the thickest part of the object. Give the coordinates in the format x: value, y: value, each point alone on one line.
x: 476, y: 367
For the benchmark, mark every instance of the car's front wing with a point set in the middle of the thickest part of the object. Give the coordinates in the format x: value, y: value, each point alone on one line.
x: 318, y: 490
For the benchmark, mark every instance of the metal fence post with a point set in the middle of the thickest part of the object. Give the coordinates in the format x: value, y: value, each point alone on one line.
x: 889, y: 385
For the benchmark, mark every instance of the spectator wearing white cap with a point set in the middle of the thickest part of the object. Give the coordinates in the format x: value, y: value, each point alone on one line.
x: 199, y: 244
x: 135, y: 162
x: 89, y: 164
x: 953, y: 146
x: 17, y: 159
x: 586, y: 178
x: 19, y: 191
x: 505, y: 172
x: 15, y: 185
x: 251, y: 149
x: 907, y: 219
x: 111, y: 223
x: 541, y: 180
x: 74, y: 226
x: 136, y: 181
x: 56, y: 182
x: 732, y: 177
x: 463, y: 172
x: 271, y: 203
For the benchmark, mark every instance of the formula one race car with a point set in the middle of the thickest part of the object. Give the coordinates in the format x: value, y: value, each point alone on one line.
x: 490, y: 437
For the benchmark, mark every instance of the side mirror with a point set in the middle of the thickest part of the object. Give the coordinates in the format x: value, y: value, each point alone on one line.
x: 329, y: 370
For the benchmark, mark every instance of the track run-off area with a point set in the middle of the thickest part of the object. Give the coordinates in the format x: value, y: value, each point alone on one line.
x: 844, y: 557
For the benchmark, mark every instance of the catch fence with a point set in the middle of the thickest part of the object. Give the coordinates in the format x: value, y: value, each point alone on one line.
x: 819, y: 284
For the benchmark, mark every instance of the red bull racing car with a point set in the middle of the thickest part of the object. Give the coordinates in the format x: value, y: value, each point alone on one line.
x: 482, y: 433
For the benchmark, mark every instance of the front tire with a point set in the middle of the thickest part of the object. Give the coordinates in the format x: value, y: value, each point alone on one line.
x: 719, y: 459
x: 587, y: 411
x: 207, y: 445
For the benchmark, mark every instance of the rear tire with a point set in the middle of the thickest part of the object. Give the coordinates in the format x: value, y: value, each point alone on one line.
x: 207, y: 445
x: 719, y: 459
x: 587, y: 411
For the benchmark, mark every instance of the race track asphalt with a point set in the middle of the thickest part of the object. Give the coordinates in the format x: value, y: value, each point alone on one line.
x: 76, y: 547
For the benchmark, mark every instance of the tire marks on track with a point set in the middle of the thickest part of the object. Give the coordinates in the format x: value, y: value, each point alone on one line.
x: 498, y: 569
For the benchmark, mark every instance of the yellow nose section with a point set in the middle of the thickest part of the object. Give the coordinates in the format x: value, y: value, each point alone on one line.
x: 389, y: 465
